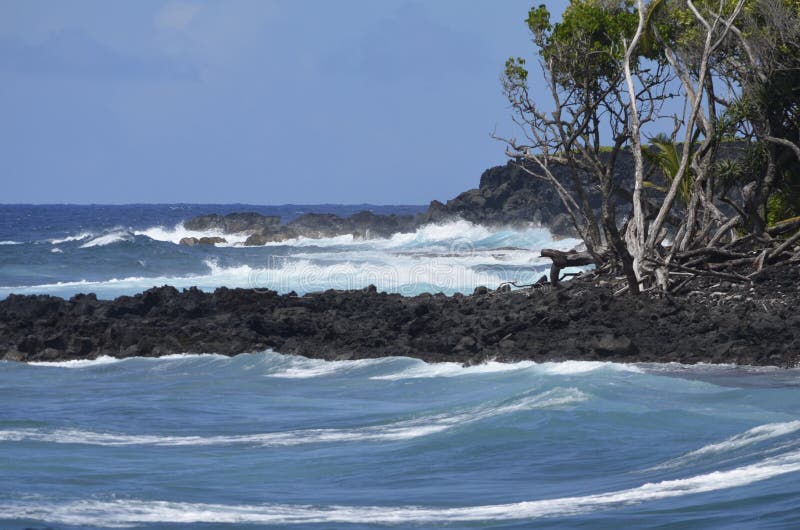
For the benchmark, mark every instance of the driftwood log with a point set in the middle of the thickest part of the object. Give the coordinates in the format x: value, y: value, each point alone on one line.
x: 562, y: 260
x: 782, y: 227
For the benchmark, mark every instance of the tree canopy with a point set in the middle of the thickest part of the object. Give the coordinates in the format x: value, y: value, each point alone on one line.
x: 721, y: 177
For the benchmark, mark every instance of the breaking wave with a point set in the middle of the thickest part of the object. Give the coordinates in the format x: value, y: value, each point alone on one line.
x: 130, y: 512
x: 77, y: 237
x: 405, y: 276
x: 108, y: 239
x: 400, y: 430
x: 752, y: 436
x: 454, y: 235
x: 424, y: 370
x: 178, y: 232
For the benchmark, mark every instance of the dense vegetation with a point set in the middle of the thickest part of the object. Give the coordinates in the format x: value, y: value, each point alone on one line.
x: 716, y: 186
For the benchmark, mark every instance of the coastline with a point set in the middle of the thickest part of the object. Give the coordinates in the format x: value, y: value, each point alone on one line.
x: 719, y: 323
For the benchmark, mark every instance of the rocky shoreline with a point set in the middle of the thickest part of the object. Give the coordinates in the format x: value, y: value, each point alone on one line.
x: 581, y: 320
x: 507, y: 196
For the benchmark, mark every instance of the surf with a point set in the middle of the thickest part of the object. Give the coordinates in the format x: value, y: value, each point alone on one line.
x: 132, y: 512
x: 392, y: 431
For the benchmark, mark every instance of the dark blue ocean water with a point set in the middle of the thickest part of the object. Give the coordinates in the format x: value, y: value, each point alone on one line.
x: 265, y: 440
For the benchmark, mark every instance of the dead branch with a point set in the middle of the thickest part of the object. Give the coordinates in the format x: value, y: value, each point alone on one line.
x: 785, y: 245
x: 787, y: 225
x: 562, y: 260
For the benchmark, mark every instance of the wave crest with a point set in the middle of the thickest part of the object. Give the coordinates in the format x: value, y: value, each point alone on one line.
x: 752, y: 436
x: 110, y: 238
x: 399, y: 430
x: 123, y: 513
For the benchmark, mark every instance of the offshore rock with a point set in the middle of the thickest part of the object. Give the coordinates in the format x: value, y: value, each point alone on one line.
x: 192, y: 241
x: 267, y: 229
x: 232, y: 223
x: 507, y: 196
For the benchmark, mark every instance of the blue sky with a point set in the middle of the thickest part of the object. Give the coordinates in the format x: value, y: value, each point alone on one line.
x: 262, y: 101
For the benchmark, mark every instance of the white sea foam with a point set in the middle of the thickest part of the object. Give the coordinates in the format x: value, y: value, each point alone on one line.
x: 485, y: 258
x: 77, y: 363
x: 56, y: 250
x: 218, y: 276
x: 185, y: 356
x: 583, y: 367
x: 463, y: 236
x: 105, y: 359
x: 305, y: 368
x: 130, y: 512
x: 108, y: 239
x: 752, y: 436
x: 424, y: 370
x: 178, y: 232
x: 77, y: 237
x: 400, y: 430
x: 10, y: 243
x: 343, y: 240
x: 448, y: 258
x: 455, y: 236
x: 406, y: 276
x: 439, y: 233
x: 422, y: 236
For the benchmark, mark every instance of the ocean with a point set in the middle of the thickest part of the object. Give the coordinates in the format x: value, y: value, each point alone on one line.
x: 121, y: 250
x: 264, y: 440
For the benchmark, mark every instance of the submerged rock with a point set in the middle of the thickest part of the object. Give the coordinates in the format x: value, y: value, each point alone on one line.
x: 192, y: 241
x: 262, y: 238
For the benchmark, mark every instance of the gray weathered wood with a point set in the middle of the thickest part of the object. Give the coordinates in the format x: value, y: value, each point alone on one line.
x: 562, y: 259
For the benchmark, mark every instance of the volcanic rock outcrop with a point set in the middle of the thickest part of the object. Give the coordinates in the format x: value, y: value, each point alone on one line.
x: 721, y: 323
x: 507, y: 196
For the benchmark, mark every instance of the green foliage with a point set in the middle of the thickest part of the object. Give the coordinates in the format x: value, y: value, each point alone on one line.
x: 584, y: 52
x: 737, y: 172
x: 538, y: 22
x: 729, y: 172
x: 666, y: 156
x: 784, y: 202
x: 679, y: 27
x: 585, y: 48
x: 779, y: 207
x: 515, y: 71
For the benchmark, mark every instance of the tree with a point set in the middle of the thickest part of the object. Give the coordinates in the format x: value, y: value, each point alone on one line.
x: 582, y: 62
x: 609, y: 66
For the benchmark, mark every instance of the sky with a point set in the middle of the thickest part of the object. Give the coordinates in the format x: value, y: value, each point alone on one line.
x: 253, y: 101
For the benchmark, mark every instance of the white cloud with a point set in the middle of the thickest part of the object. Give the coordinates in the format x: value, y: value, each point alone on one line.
x: 213, y: 34
x: 176, y: 16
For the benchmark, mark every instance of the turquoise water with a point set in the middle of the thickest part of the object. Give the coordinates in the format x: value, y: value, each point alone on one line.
x: 122, y: 250
x: 269, y: 441
x: 273, y: 441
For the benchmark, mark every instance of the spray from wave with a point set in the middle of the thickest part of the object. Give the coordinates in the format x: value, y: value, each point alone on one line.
x: 178, y: 232
x: 448, y: 258
x: 77, y: 237
x: 116, y: 236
